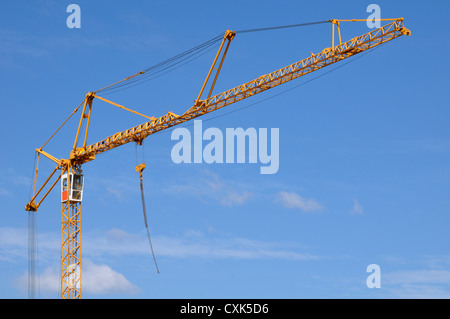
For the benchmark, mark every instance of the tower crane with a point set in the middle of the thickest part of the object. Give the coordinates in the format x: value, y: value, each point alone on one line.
x: 69, y: 171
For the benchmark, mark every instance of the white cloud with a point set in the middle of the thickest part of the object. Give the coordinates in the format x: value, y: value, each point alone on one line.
x: 101, y: 279
x: 97, y: 280
x: 46, y: 283
x: 293, y: 200
x: 357, y: 208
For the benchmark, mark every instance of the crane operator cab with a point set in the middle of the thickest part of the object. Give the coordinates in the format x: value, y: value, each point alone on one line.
x: 72, y: 187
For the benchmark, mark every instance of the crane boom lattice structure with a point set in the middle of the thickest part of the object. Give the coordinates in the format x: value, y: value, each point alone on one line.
x: 71, y: 176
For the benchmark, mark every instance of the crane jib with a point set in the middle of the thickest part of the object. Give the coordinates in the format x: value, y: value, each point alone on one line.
x: 315, y: 62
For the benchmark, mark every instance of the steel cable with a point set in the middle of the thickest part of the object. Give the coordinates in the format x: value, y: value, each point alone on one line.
x: 170, y: 63
x: 158, y: 73
x: 282, y: 26
x: 164, y: 65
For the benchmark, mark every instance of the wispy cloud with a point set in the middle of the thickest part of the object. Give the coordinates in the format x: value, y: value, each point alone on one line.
x: 9, y: 179
x: 420, y: 145
x: 118, y: 243
x: 422, y: 276
x: 429, y: 276
x: 399, y: 147
x: 32, y: 45
x: 14, y: 43
x: 5, y: 192
x: 295, y: 201
x: 227, y: 247
x: 193, y: 243
x: 13, y: 244
x: 357, y: 208
x: 428, y: 283
x: 122, y: 188
x: 236, y: 198
x: 210, y: 187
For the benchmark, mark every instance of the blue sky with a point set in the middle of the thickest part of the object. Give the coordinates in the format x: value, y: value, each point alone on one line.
x: 364, y: 153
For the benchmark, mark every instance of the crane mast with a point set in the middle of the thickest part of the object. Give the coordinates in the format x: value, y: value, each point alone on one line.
x: 70, y: 172
x: 71, y: 243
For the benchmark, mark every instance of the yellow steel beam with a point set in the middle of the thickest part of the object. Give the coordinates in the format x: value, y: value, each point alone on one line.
x: 81, y: 121
x: 122, y: 107
x: 31, y: 205
x: 229, y: 35
x: 51, y: 157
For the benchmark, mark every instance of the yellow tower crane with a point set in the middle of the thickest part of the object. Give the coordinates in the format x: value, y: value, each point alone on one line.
x: 70, y: 172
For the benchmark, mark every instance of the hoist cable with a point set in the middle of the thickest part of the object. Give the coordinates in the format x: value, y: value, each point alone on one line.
x: 33, y: 258
x: 146, y: 225
x: 140, y: 168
